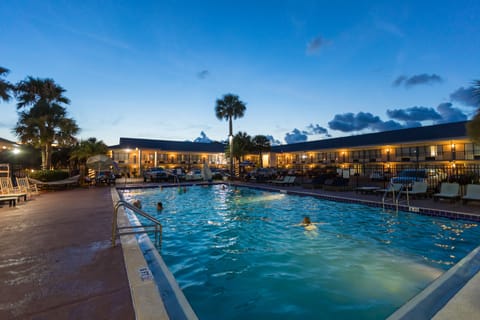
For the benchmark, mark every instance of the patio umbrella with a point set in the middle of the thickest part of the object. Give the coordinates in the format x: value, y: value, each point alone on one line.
x: 207, y: 173
x: 99, y: 162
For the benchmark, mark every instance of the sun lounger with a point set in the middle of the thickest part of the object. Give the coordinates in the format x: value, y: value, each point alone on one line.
x: 473, y: 193
x: 448, y: 191
x: 418, y: 189
x: 287, y: 181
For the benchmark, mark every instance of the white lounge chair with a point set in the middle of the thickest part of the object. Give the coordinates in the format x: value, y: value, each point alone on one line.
x: 419, y: 188
x: 8, y: 190
x: 25, y: 186
x: 285, y: 180
x: 473, y: 193
x: 449, y: 191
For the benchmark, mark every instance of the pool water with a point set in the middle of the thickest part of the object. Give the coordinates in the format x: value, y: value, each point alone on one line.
x: 240, y: 253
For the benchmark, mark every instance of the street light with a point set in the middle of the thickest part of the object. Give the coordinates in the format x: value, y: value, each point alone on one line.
x: 230, y: 142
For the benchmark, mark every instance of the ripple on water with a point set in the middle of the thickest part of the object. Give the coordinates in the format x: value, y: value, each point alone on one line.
x: 244, y: 247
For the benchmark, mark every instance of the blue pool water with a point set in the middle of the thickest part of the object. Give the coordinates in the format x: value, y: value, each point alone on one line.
x: 239, y: 253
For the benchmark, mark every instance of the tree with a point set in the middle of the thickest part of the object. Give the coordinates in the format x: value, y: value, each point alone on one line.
x: 261, y: 144
x: 242, y: 145
x: 87, y: 148
x: 473, y: 127
x: 84, y: 150
x: 6, y: 87
x: 46, y: 122
x: 230, y: 107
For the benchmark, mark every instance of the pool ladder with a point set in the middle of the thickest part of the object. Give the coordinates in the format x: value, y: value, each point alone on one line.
x: 155, y: 227
x: 395, y: 196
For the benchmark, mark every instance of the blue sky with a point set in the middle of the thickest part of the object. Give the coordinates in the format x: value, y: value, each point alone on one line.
x: 307, y: 70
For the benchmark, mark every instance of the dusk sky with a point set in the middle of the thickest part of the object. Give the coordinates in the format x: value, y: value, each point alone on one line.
x: 307, y: 70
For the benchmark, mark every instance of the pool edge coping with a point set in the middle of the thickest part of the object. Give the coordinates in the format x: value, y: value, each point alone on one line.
x: 145, y: 293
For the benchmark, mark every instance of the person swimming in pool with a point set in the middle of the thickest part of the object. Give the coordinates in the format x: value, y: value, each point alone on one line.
x: 137, y: 203
x: 308, y: 224
x: 159, y: 206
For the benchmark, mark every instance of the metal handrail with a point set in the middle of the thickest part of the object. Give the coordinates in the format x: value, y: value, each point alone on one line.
x: 395, y: 198
x: 156, y: 227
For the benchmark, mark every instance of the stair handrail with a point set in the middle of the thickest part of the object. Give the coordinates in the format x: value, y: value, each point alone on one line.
x: 157, y: 225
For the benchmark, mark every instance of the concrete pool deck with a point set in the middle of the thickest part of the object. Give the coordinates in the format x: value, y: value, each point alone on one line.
x: 57, y: 261
x: 57, y: 264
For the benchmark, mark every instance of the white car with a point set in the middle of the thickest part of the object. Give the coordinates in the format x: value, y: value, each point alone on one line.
x: 194, y: 175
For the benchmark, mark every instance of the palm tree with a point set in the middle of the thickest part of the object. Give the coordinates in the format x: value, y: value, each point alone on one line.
x: 261, y: 144
x: 473, y: 127
x: 228, y: 108
x: 5, y: 87
x: 46, y: 122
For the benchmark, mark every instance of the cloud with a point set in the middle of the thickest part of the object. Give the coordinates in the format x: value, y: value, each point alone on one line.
x: 349, y: 122
x: 314, y: 46
x: 273, y: 141
x: 414, y: 114
x: 317, y: 129
x: 449, y: 113
x: 465, y: 96
x: 203, y: 74
x: 393, y: 125
x: 203, y: 138
x: 296, y: 136
x: 417, y: 79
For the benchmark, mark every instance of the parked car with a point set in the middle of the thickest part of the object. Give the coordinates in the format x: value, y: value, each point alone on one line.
x: 155, y: 174
x: 194, y: 175
x: 431, y: 176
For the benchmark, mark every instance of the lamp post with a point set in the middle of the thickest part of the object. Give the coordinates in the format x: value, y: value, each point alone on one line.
x: 230, y: 142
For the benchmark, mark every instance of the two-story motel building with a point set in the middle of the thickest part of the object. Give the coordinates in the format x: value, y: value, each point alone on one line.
x: 438, y: 146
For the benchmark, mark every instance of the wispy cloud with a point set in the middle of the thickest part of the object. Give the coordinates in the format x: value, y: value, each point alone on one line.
x: 314, y: 46
x: 417, y: 79
x: 389, y: 28
x: 203, y: 74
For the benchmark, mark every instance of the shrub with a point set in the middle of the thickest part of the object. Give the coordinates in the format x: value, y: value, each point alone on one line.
x: 49, y: 175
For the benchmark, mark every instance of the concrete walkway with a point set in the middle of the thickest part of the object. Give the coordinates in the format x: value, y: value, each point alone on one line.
x: 56, y: 261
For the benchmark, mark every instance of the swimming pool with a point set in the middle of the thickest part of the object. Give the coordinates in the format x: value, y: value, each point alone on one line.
x: 239, y: 253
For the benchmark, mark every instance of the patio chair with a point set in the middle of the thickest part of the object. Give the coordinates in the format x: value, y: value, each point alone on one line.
x: 25, y: 186
x: 419, y: 188
x: 8, y: 190
x: 449, y: 191
x: 473, y: 193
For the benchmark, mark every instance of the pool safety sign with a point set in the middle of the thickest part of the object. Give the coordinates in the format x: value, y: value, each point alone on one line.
x: 145, y: 274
